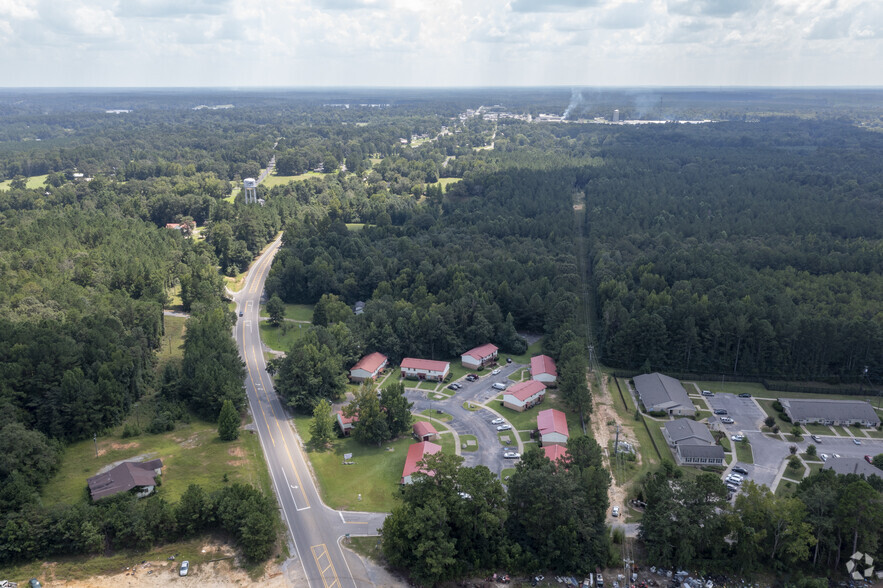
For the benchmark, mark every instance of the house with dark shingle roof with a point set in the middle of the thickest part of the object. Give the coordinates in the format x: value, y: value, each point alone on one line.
x: 662, y: 393
x: 830, y: 412
x: 124, y: 477
x: 852, y: 465
x: 692, y: 443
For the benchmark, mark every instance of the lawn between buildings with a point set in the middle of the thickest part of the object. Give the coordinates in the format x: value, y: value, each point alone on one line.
x: 282, y: 338
x: 297, y: 312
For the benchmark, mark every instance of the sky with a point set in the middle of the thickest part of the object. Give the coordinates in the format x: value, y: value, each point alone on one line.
x: 242, y: 43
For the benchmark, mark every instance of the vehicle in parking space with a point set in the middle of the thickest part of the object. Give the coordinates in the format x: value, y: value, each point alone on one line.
x: 471, y: 377
x: 499, y: 386
x: 504, y: 427
x: 615, y: 511
x: 495, y: 372
x: 498, y: 421
x: 816, y: 438
x: 454, y: 386
x: 727, y: 420
x: 740, y: 470
x: 837, y: 455
x: 733, y: 481
x: 739, y: 437
x: 185, y: 568
x: 707, y: 393
x: 824, y: 456
x: 744, y: 395
x: 720, y: 411
x: 511, y: 455
x: 856, y: 441
x: 732, y: 488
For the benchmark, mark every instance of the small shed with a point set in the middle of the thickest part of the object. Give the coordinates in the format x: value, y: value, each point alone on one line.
x: 424, y: 431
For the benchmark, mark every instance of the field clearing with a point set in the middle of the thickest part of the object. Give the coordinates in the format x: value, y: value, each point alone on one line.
x: 172, y: 343
x: 296, y: 312
x: 445, y: 182
x: 191, y: 454
x: 283, y: 337
x: 32, y: 183
x: 375, y: 475
x: 274, y: 180
x: 355, y: 226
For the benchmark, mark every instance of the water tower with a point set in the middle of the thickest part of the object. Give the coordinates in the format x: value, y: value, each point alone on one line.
x: 250, y: 188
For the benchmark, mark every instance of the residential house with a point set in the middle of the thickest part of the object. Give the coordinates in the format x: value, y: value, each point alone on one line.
x: 543, y: 369
x: 555, y: 452
x: 552, y: 425
x: 830, y: 412
x: 524, y: 395
x: 692, y: 443
x: 480, y: 356
x: 425, y: 369
x: 368, y: 367
x: 416, y: 453
x: 852, y: 465
x: 125, y: 477
x: 346, y: 424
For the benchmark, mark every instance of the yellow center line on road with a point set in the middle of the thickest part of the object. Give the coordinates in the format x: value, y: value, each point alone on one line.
x: 251, y: 378
x: 282, y: 437
x: 319, y: 552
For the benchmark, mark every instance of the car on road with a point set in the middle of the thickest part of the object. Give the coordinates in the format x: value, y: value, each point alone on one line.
x: 740, y: 470
x: 738, y: 437
x: 708, y: 393
x: 185, y: 568
x: 720, y: 411
x: 856, y: 441
x: 816, y: 438
x: 240, y: 313
x: 499, y: 386
x: 511, y: 455
x: 504, y: 427
x: 498, y: 421
x: 744, y: 395
x: 615, y: 511
x: 824, y: 456
x: 727, y: 420
x: 837, y: 455
x: 495, y: 372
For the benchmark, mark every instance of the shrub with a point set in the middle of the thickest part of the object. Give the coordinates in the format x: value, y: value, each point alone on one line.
x: 794, y: 462
x: 793, y: 449
x: 777, y: 406
x: 618, y: 536
x: 812, y: 450
x: 130, y: 430
x: 769, y: 421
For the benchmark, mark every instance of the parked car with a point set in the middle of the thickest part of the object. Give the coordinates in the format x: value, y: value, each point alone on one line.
x: 837, y: 455
x: 495, y: 372
x: 720, y: 411
x: 824, y: 456
x: 453, y: 386
x: 856, y: 441
x: 727, y: 420
x: 869, y: 459
x: 498, y: 421
x: 504, y: 427
x: 816, y: 438
x: 508, y: 360
x: 738, y: 437
x: 34, y: 583
x: 740, y: 470
x: 615, y: 511
x: 732, y: 488
x: 707, y: 393
x: 185, y: 568
x: 499, y: 386
x: 744, y: 395
x: 511, y: 455
x: 471, y: 377
x: 733, y: 481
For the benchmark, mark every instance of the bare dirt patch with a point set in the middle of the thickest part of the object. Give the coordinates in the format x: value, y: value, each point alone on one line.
x: 604, y: 413
x: 122, y: 446
x: 236, y: 463
x: 236, y: 452
x: 190, y: 442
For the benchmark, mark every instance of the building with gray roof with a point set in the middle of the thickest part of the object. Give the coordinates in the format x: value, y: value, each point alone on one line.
x: 692, y: 443
x: 852, y: 465
x: 124, y: 477
x: 830, y: 412
x: 659, y: 392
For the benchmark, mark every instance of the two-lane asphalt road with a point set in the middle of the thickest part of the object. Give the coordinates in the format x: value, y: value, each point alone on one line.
x: 315, y: 529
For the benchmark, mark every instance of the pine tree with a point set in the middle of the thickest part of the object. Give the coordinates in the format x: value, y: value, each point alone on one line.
x: 228, y: 422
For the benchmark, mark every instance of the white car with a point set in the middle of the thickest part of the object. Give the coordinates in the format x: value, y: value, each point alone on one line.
x: 185, y: 567
x: 824, y: 456
x: 615, y: 511
x: 856, y: 441
x: 495, y: 372
x: 837, y: 455
x: 497, y: 421
x: 738, y: 437
x: 504, y: 427
x: 511, y: 455
x: 727, y: 420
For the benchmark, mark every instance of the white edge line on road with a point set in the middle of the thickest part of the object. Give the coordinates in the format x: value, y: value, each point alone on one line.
x: 287, y: 520
x: 287, y: 483
x: 341, y: 516
x: 346, y: 563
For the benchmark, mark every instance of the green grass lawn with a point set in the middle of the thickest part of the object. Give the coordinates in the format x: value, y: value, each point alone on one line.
x: 507, y: 472
x: 524, y: 436
x: 535, y: 349
x: 281, y: 338
x: 172, y: 347
x: 274, y: 180
x: 743, y: 452
x: 793, y: 474
x: 375, y: 475
x: 814, y: 468
x: 793, y: 438
x: 817, y: 429
x: 507, y: 434
x: 369, y: 547
x: 447, y: 443
x: 191, y: 454
x: 626, y: 411
x: 173, y: 295
x: 297, y: 312
x: 355, y: 226
x: 522, y: 421
x: 725, y: 443
x: 786, y: 488
x: 811, y: 458
x: 758, y: 391
x: 438, y: 415
x: 233, y: 193
x: 840, y: 431
x: 875, y: 434
x: 767, y: 406
x: 464, y: 439
x: 32, y: 183
x: 235, y: 283
x: 856, y: 431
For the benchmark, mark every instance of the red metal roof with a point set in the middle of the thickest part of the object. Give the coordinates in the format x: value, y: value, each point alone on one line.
x: 554, y: 452
x: 347, y: 420
x: 422, y: 428
x: 542, y: 364
x: 482, y: 351
x: 552, y: 421
x: 416, y: 453
x: 370, y: 363
x: 524, y: 390
x: 425, y: 364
